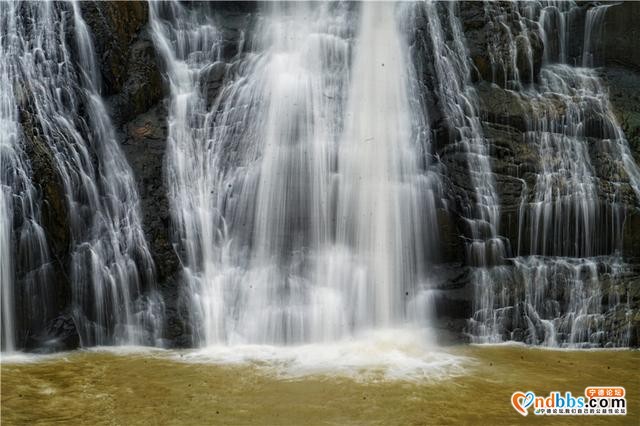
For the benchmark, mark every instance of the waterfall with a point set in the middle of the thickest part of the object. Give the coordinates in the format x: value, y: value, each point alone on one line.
x: 593, y: 30
x: 249, y: 172
x: 119, y: 256
x: 569, y: 228
x: 109, y: 265
x: 296, y: 208
x: 555, y: 18
x: 567, y: 217
x: 194, y: 170
x: 24, y: 255
x: 485, y: 250
x: 384, y: 197
x: 459, y: 105
x: 8, y: 157
x: 331, y: 170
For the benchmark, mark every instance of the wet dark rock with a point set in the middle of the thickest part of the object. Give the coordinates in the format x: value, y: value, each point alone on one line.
x: 47, y: 177
x: 54, y: 210
x: 236, y: 26
x: 503, y: 107
x: 142, y: 85
x: 622, y: 320
x: 211, y: 80
x: 60, y: 334
x: 621, y: 35
x: 631, y: 236
x: 452, y: 302
x: 144, y: 145
x: 624, y: 95
x: 114, y: 25
x: 492, y: 30
x: 451, y: 241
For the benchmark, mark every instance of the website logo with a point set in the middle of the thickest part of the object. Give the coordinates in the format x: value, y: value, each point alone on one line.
x: 522, y: 401
x: 597, y: 401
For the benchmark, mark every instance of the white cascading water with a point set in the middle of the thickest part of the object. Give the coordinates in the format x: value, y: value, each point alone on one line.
x: 109, y: 262
x: 384, y: 198
x: 301, y: 197
x: 278, y: 108
x: 24, y: 255
x: 121, y: 272
x: 460, y: 108
x: 302, y: 181
x: 9, y: 161
x: 485, y: 250
x: 565, y: 221
x: 22, y: 240
x: 593, y: 31
x: 505, y: 66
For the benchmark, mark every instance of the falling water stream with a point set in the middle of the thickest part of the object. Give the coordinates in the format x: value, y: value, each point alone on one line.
x: 306, y: 185
x: 109, y: 261
x: 568, y: 228
x: 298, y: 195
x: 22, y: 239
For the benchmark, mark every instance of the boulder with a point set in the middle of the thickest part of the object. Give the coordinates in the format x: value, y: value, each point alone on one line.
x: 61, y: 334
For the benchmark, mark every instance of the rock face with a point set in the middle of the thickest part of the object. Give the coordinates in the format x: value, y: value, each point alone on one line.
x: 46, y: 176
x: 115, y: 26
x: 499, y: 43
x: 621, y: 34
x: 144, y: 141
x: 624, y: 95
x: 506, y: 49
x: 131, y: 76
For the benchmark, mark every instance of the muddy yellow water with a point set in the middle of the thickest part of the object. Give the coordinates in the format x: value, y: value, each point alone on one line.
x: 104, y: 388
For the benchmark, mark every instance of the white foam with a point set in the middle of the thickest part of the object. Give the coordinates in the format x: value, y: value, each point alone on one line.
x: 391, y: 354
x: 381, y: 355
x: 127, y: 350
x: 517, y: 344
x: 24, y: 358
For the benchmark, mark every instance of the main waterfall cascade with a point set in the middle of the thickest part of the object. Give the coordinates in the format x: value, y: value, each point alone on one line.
x: 386, y: 193
x: 63, y: 119
x: 318, y: 156
x: 298, y: 196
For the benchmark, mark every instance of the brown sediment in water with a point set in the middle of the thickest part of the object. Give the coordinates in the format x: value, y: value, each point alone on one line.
x: 105, y: 388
